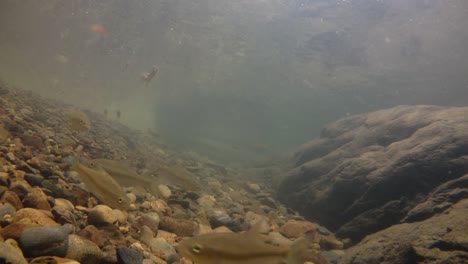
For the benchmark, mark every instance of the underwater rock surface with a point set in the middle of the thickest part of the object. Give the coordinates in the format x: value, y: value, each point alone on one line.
x: 368, y: 172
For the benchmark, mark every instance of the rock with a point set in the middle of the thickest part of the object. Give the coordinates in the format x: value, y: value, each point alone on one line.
x: 13, y: 199
x: 323, y: 230
x: 295, y: 229
x: 366, y: 172
x: 58, y: 192
x: 20, y: 187
x: 150, y: 220
x: 164, y: 191
x: 35, y: 216
x: 332, y: 256
x: 439, y: 239
x: 206, y: 201
x: 222, y: 229
x: 13, y: 230
x: 101, y: 215
x: 6, y: 209
x: 36, y: 198
x: 329, y: 243
x: 202, y: 229
x: 33, y: 179
x: 64, y: 204
x: 63, y: 216
x: 120, y: 215
x: 83, y: 250
x: 219, y: 218
x: 181, y: 227
x: 128, y: 256
x: 11, y: 253
x: 253, y: 187
x: 52, y: 260
x: 45, y: 241
x: 169, y: 237
x: 93, y: 234
x: 160, y: 245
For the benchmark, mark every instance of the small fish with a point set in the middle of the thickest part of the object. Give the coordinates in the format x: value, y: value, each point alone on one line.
x: 125, y: 176
x: 178, y: 177
x: 148, y: 76
x: 249, y: 247
x: 102, y: 185
x: 98, y: 28
x: 79, y: 121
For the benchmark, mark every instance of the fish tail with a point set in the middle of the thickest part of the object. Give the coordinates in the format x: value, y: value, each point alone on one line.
x: 306, y: 249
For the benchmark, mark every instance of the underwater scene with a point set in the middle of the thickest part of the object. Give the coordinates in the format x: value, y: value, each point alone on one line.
x: 234, y: 131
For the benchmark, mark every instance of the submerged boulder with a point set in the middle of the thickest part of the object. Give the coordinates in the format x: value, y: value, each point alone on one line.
x: 367, y: 172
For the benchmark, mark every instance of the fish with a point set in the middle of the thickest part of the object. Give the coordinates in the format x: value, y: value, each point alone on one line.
x: 98, y: 28
x: 178, y: 177
x: 125, y: 176
x: 250, y: 247
x: 79, y: 121
x: 102, y: 185
x: 146, y: 77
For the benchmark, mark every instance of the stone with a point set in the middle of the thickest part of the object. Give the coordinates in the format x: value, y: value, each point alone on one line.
x: 329, y: 243
x: 52, y: 260
x: 95, y: 235
x: 13, y: 199
x: 128, y: 256
x: 45, y: 241
x: 6, y: 209
x: 219, y: 218
x: 63, y: 204
x: 83, y: 250
x: 150, y: 220
x: 367, y: 171
x: 11, y: 253
x: 295, y: 229
x: 36, y: 198
x: 13, y: 230
x: 159, y: 245
x: 164, y: 191
x: 33, y: 179
x: 101, y: 215
x: 63, y: 216
x: 181, y: 227
x: 35, y: 216
x: 439, y: 239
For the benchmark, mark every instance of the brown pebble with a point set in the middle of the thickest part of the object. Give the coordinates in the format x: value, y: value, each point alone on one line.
x: 36, y: 216
x: 13, y: 199
x: 294, y: 229
x: 52, y: 260
x: 90, y: 232
x: 180, y: 227
x: 36, y: 198
x: 13, y: 230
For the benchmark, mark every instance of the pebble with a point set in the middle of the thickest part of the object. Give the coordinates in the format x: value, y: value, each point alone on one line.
x: 128, y: 256
x: 52, y: 260
x: 120, y: 215
x: 20, y: 187
x: 6, y: 209
x: 11, y: 253
x: 83, y: 250
x: 332, y: 256
x: 35, y: 216
x: 45, y: 241
x: 181, y: 227
x: 63, y: 204
x: 93, y: 234
x: 164, y: 191
x: 101, y: 215
x: 323, y: 230
x: 33, y: 179
x: 168, y: 236
x: 294, y: 229
x: 13, y: 230
x: 202, y: 229
x: 13, y: 199
x: 253, y: 187
x: 329, y: 243
x: 219, y: 218
x: 150, y: 220
x: 162, y: 246
x: 36, y: 198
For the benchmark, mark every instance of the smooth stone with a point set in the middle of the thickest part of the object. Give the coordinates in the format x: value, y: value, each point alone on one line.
x: 168, y: 236
x: 150, y: 220
x: 52, y: 260
x: 219, y: 218
x: 181, y: 227
x: 202, y: 229
x: 93, y: 234
x: 164, y: 191
x: 323, y: 230
x: 36, y: 216
x: 45, y: 241
x: 36, y: 198
x: 162, y: 246
x: 83, y: 250
x: 132, y: 197
x: 294, y: 229
x: 13, y: 199
x: 120, y: 215
x: 128, y: 256
x: 63, y: 216
x: 20, y: 187
x: 253, y: 187
x: 13, y: 230
x: 6, y: 209
x: 63, y: 204
x: 256, y: 220
x: 332, y: 256
x: 33, y: 179
x: 11, y: 253
x: 101, y: 215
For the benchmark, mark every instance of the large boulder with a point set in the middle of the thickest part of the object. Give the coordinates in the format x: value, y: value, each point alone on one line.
x: 439, y: 239
x: 367, y: 172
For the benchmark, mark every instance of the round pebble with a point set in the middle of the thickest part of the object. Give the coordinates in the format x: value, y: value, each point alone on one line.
x: 101, y: 215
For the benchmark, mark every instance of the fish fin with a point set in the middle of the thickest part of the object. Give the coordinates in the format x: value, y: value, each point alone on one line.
x: 305, y: 249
